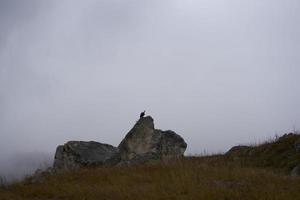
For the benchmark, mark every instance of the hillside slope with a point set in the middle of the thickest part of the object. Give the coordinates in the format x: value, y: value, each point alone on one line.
x: 256, y: 173
x: 282, y: 153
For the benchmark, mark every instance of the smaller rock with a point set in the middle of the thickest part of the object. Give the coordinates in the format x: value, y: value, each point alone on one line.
x: 297, y: 146
x: 3, y: 182
x: 240, y: 150
x: 39, y: 175
x: 295, y: 171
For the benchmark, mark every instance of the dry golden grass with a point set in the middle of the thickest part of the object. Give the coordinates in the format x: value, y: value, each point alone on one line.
x: 213, y: 177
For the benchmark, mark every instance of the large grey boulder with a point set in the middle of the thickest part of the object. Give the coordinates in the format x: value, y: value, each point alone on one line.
x: 75, y: 154
x: 144, y: 143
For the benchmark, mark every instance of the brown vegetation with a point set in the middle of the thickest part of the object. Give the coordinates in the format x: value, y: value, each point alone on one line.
x: 211, y: 177
x: 218, y: 177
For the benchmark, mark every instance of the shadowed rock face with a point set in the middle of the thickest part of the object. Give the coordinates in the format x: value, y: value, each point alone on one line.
x: 75, y: 154
x: 144, y: 143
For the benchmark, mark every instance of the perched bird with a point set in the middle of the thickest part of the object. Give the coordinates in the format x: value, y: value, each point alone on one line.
x: 142, y: 114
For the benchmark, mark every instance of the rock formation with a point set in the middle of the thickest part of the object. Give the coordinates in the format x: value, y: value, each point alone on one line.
x: 240, y: 150
x: 75, y: 154
x: 143, y: 143
x: 297, y: 146
x: 295, y: 171
x: 282, y: 153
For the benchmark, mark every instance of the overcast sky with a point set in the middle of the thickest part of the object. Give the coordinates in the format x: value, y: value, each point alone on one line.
x: 217, y: 72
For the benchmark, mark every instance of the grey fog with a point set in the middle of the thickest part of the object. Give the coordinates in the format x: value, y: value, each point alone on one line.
x: 218, y: 72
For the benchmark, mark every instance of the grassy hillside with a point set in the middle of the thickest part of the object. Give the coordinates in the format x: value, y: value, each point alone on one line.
x: 238, y: 175
x: 279, y: 153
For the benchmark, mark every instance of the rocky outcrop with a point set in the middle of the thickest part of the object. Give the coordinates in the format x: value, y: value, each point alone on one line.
x: 145, y: 143
x: 281, y: 153
x: 240, y: 150
x: 142, y: 144
x: 295, y: 171
x: 297, y: 146
x: 75, y: 154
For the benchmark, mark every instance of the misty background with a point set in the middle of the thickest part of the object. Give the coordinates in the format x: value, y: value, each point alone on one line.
x: 217, y: 72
